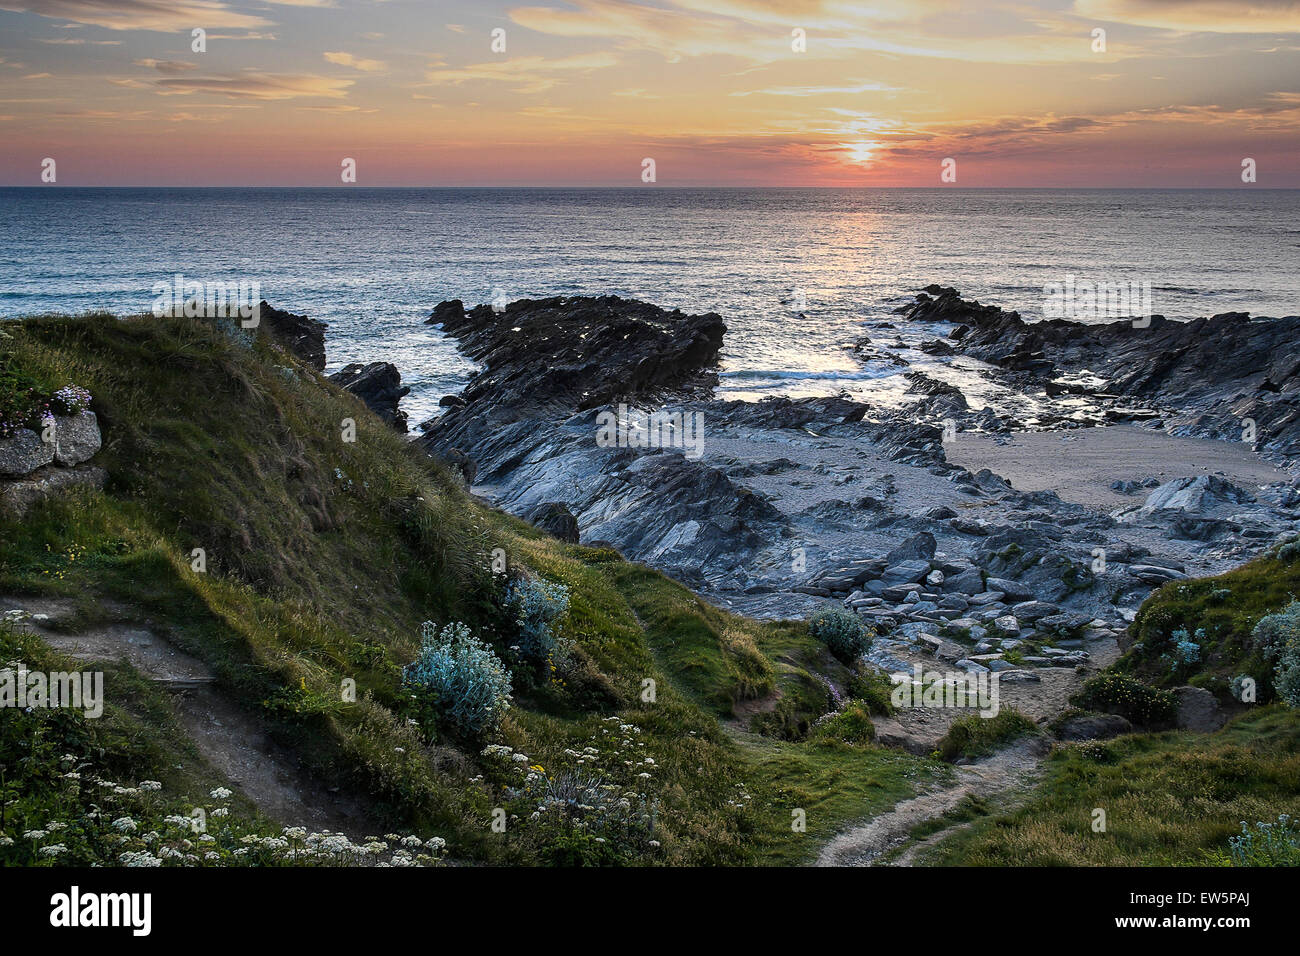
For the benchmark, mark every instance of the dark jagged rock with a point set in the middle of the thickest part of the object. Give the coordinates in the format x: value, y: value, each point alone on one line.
x: 298, y: 334
x: 452, y: 311
x: 555, y: 518
x: 529, y: 422
x: 379, y: 385
x: 582, y: 352
x: 777, y: 412
x: 1213, y: 374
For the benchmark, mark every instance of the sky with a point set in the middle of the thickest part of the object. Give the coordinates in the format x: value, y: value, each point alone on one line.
x: 916, y: 93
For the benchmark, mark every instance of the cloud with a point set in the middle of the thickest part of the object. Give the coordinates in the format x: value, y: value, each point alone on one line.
x: 253, y: 85
x: 532, y: 74
x: 820, y: 90
x: 170, y: 67
x: 78, y: 41
x: 164, y: 16
x: 357, y: 63
x: 1211, y: 16
x: 760, y: 31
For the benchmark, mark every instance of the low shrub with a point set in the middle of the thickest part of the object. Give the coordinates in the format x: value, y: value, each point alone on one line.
x: 1277, y: 636
x: 875, y: 689
x: 976, y: 736
x: 461, y: 677
x: 538, y: 605
x: 1114, y: 693
x: 1267, y: 844
x: 852, y: 724
x: 843, y: 632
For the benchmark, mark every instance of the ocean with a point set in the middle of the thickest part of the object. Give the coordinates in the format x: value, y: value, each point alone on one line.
x: 798, y: 274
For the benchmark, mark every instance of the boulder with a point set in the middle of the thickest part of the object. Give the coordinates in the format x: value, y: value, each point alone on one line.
x: 919, y: 547
x: 905, y: 572
x: 1012, y: 590
x: 1198, y: 710
x: 1031, y: 611
x: 462, y: 464
x: 967, y: 582
x: 76, y: 438
x: 451, y: 311
x: 24, y: 452
x: 1199, y: 494
x: 555, y: 518
x: 1093, y: 727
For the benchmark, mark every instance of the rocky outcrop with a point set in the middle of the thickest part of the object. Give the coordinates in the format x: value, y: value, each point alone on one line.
x: 1212, y: 376
x: 379, y: 385
x: 529, y: 424
x: 575, y: 353
x: 301, y: 336
x: 34, y: 468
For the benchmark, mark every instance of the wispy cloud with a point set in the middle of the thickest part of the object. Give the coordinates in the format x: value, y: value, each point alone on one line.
x: 255, y: 85
x: 341, y: 58
x: 528, y: 74
x: 159, y: 15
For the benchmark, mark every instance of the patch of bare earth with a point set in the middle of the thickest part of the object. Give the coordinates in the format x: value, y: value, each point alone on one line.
x: 1012, y: 769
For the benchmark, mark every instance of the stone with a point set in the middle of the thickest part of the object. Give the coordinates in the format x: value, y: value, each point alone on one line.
x: 1020, y: 677
x: 905, y: 572
x: 1033, y: 610
x: 965, y: 582
x: 24, y: 452
x: 986, y: 597
x: 555, y: 518
x: 919, y: 547
x: 76, y: 438
x: 18, y: 497
x: 1198, y: 710
x: 1007, y: 624
x: 1093, y: 727
x: 451, y: 311
x: 934, y: 578
x: 1012, y: 590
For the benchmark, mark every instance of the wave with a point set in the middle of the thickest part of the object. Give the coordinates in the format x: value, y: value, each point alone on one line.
x: 787, y: 374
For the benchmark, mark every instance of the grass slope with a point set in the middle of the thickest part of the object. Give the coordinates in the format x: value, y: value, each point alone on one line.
x: 322, y: 558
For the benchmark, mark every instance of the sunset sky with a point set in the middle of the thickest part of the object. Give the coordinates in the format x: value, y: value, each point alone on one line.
x: 713, y: 90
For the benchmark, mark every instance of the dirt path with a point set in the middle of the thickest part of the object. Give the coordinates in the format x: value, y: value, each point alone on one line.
x: 230, y: 739
x: 1012, y: 769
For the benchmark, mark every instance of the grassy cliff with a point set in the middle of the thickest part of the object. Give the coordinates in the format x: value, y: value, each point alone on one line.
x: 241, y: 528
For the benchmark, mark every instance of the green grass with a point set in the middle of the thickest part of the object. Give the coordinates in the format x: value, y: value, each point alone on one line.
x: 1226, y: 608
x: 324, y: 556
x: 977, y: 736
x: 1170, y: 799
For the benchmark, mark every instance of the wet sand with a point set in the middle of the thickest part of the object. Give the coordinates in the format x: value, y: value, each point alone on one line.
x: 1080, y: 464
